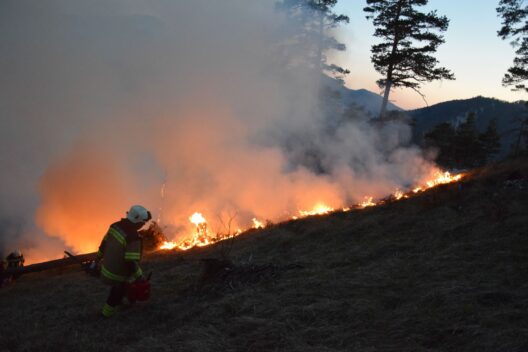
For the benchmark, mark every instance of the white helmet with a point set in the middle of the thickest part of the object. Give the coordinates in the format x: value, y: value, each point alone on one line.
x: 138, y: 213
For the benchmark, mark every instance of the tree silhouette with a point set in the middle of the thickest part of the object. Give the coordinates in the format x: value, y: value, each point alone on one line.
x: 522, y: 134
x: 409, y: 38
x: 442, y: 138
x: 514, y: 14
x: 467, y: 148
x: 316, y: 18
x: 490, y: 142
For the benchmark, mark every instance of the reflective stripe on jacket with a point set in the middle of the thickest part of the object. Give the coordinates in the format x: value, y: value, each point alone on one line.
x: 121, y: 252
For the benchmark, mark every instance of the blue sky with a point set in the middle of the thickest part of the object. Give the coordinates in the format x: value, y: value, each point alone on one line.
x: 472, y: 51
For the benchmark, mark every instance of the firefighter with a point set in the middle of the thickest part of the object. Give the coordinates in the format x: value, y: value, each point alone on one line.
x: 15, y: 259
x: 119, y: 256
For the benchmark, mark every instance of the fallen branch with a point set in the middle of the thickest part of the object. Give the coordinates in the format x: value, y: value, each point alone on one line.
x: 52, y: 264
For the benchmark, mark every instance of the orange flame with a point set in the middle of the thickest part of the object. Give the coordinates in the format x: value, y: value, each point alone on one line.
x: 318, y: 209
x: 398, y: 195
x: 197, y: 219
x: 202, y: 237
x: 443, y: 178
x: 367, y: 203
x: 257, y: 224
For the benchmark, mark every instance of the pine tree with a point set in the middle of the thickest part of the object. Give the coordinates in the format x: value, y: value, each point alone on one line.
x: 409, y: 38
x: 442, y: 138
x: 490, y: 142
x: 518, y: 146
x: 467, y: 147
x: 514, y: 14
x: 316, y: 18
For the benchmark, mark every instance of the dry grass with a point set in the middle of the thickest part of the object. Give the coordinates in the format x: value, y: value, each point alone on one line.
x: 445, y: 271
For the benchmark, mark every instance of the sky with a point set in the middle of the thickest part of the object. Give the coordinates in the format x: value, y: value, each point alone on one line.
x: 472, y: 51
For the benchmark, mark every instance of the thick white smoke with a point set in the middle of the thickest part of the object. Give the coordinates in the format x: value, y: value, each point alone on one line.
x: 105, y: 101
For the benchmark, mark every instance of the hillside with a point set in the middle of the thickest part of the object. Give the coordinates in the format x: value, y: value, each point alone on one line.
x: 369, y: 101
x: 485, y: 109
x: 442, y: 271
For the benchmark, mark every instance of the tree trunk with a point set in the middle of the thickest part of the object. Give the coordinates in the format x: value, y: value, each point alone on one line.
x: 519, y: 138
x: 395, y: 42
x: 385, y: 98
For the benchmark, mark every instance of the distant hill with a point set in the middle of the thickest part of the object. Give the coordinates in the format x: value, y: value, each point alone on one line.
x: 485, y: 110
x: 455, y: 111
x: 369, y: 101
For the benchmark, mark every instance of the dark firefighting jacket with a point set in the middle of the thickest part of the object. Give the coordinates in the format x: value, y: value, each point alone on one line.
x: 120, y: 251
x: 15, y: 261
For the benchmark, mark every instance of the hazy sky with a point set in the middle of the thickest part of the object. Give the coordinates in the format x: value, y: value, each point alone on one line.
x: 472, y: 51
x: 104, y: 102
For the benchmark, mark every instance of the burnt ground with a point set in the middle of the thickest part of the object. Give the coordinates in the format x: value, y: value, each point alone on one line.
x: 444, y: 271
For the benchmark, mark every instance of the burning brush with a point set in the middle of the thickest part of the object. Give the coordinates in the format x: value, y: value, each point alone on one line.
x: 202, y: 236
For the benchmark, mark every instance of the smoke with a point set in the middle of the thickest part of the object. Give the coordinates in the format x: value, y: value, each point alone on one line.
x: 106, y: 101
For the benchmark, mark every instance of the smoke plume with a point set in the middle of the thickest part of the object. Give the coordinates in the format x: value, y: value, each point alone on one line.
x: 105, y: 102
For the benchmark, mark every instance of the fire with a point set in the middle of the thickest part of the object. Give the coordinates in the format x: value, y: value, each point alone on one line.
x: 318, y: 209
x: 257, y: 224
x: 417, y: 189
x: 367, y: 203
x: 439, y: 178
x: 197, y: 219
x: 443, y: 178
x: 398, y: 195
x: 168, y: 245
x: 202, y: 236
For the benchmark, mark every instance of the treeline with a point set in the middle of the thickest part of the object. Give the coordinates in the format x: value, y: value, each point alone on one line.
x: 408, y: 36
x: 462, y: 146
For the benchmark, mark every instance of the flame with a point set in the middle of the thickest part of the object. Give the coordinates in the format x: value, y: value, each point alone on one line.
x: 318, y: 209
x: 367, y: 203
x: 443, y: 178
x: 168, y: 245
x: 257, y: 224
x: 197, y: 219
x: 417, y: 189
x: 202, y: 237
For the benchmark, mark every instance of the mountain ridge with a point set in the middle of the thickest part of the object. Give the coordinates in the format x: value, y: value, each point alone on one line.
x: 454, y: 112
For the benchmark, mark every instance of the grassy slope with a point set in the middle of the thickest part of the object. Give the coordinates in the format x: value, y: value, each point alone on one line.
x: 444, y: 271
